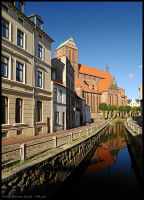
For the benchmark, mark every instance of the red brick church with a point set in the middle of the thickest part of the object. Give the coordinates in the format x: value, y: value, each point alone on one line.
x: 94, y: 85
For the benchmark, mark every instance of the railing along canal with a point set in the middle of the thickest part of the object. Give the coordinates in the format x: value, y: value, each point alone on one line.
x: 26, y: 151
x: 133, y: 126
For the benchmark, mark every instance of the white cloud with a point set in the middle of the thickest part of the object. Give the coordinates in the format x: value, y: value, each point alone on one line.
x: 131, y: 75
x: 140, y: 66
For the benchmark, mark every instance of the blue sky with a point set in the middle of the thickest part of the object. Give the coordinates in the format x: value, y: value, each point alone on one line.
x: 104, y: 32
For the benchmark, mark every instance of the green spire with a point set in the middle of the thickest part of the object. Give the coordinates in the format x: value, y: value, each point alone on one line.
x: 62, y: 44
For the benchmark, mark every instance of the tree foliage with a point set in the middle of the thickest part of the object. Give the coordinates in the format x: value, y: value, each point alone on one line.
x: 119, y: 111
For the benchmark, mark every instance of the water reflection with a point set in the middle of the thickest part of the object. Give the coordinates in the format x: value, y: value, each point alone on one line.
x: 107, y: 153
x: 109, y: 173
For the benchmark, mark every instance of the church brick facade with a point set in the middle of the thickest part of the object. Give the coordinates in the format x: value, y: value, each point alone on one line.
x: 94, y: 85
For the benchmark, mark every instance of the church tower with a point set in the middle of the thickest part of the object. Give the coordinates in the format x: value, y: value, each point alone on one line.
x: 107, y: 69
x: 69, y: 49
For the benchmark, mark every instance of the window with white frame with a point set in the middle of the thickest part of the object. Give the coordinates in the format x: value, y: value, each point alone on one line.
x: 60, y: 96
x: 55, y: 95
x: 19, y: 72
x: 4, y: 110
x: 39, y: 51
x: 5, y: 28
x: 4, y: 66
x: 38, y: 23
x: 39, y: 79
x: 57, y: 117
x: 18, y: 116
x: 20, y: 38
x: 39, y: 111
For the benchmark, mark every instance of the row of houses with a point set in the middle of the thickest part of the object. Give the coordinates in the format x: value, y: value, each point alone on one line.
x: 38, y: 94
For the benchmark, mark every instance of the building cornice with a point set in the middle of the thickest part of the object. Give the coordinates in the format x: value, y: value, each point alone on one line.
x: 42, y: 62
x: 43, y: 97
x: 37, y: 89
x: 29, y: 21
x: 59, y: 104
x: 17, y: 83
x: 14, y: 53
x: 16, y: 47
x: 17, y: 91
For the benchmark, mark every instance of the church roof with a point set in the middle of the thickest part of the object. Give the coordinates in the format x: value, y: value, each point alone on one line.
x: 93, y: 71
x: 84, y: 86
x: 104, y: 84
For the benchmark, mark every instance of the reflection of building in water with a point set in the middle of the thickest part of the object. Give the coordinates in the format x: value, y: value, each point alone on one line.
x: 114, y: 154
x: 114, y: 144
x: 107, y: 153
x: 101, y: 159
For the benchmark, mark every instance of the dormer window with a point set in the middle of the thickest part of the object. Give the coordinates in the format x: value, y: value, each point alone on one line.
x: 19, y: 5
x: 38, y: 23
x: 37, y: 20
x: 32, y: 19
x: 4, y: 8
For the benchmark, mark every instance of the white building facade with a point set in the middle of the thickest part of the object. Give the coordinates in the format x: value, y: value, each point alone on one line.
x: 133, y: 102
x: 88, y: 114
x: 59, y: 107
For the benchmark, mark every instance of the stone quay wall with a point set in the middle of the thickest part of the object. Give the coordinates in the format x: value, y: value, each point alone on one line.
x: 135, y: 145
x: 46, y: 173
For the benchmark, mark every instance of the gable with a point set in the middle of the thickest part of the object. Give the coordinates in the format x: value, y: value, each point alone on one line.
x: 113, y: 85
x: 70, y: 43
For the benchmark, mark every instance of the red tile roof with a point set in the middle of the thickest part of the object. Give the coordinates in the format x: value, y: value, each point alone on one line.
x: 58, y: 83
x: 93, y: 71
x: 106, y: 78
x: 84, y: 86
x: 104, y: 84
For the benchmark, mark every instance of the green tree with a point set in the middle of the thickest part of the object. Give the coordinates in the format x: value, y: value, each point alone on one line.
x: 128, y: 109
x: 134, y: 109
x: 113, y: 108
x: 103, y: 108
x: 109, y: 111
x: 121, y: 109
x: 138, y: 109
x: 117, y: 108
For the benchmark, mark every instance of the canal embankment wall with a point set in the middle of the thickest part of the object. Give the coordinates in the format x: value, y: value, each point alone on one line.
x: 47, y: 172
x: 136, y: 145
x: 135, y: 130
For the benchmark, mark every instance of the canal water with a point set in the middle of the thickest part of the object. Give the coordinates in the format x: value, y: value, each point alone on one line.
x: 108, y: 171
